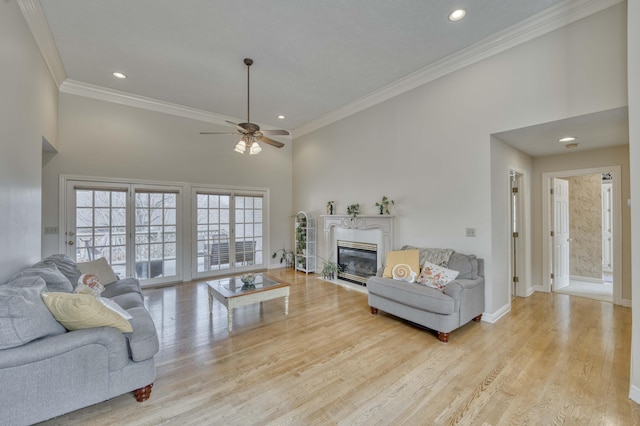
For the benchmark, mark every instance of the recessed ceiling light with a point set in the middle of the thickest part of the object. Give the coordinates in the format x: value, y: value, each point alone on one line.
x: 117, y: 74
x: 281, y: 117
x: 567, y: 139
x: 457, y: 15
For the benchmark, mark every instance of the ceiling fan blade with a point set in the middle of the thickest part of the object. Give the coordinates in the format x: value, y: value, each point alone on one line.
x: 275, y: 132
x: 271, y: 142
x: 218, y: 133
x: 237, y: 126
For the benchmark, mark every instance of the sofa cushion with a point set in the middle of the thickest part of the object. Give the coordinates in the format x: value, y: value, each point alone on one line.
x: 64, y: 264
x: 437, y: 256
x: 123, y: 286
x: 54, y: 279
x: 100, y: 268
x: 412, y: 294
x: 23, y: 316
x: 407, y: 257
x: 79, y: 311
x: 436, y: 276
x: 467, y: 265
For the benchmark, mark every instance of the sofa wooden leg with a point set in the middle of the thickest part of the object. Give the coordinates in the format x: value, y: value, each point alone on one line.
x: 144, y: 393
x: 443, y: 337
x: 374, y: 311
x: 478, y: 318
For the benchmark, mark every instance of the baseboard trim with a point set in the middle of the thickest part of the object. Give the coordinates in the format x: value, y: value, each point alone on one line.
x: 623, y: 302
x: 586, y: 279
x: 495, y: 317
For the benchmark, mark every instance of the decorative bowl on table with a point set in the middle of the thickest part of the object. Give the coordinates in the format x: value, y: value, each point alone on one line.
x: 248, y: 281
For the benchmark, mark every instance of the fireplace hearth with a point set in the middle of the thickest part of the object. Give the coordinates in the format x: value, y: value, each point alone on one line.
x: 358, y: 261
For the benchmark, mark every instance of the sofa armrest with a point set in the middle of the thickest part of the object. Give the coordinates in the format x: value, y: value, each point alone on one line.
x: 455, y: 288
x: 469, y: 294
x: 112, y: 339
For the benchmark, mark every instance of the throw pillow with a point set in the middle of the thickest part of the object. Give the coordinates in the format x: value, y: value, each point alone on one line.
x: 436, y: 276
x: 115, y: 307
x: 54, y: 279
x: 89, y: 284
x: 79, y: 311
x: 407, y: 257
x: 100, y: 268
x: 64, y: 264
x: 402, y: 272
x: 23, y: 316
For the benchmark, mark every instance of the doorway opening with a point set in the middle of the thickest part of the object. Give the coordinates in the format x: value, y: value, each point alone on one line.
x: 583, y: 233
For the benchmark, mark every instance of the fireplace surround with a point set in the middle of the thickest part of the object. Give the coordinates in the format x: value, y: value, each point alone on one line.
x: 364, y: 231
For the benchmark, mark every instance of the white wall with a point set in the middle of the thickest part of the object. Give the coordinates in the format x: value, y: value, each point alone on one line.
x: 505, y: 158
x: 99, y: 138
x: 28, y: 98
x: 634, y: 158
x: 429, y: 149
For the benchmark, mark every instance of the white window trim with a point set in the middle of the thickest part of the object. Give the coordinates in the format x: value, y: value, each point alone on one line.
x: 185, y: 217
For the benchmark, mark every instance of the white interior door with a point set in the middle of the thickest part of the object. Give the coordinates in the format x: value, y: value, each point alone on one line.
x: 561, y: 239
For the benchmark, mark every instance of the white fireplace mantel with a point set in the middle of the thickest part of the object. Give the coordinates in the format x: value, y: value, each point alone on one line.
x: 382, y: 225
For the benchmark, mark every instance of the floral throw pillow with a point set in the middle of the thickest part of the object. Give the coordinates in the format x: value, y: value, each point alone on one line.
x: 436, y: 276
x: 89, y: 284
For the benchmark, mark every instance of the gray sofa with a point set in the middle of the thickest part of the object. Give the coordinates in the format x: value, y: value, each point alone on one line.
x: 63, y: 371
x: 461, y: 300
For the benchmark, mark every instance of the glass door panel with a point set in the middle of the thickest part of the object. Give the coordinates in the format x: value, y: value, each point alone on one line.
x: 155, y: 234
x: 213, y: 232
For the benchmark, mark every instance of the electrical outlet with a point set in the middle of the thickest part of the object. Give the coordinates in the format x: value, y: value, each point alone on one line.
x: 471, y: 232
x: 50, y: 230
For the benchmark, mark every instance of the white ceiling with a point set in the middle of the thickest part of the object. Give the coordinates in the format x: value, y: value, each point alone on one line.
x: 312, y: 57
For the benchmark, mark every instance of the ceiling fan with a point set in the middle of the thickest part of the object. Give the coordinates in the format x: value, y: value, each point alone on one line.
x: 249, y: 131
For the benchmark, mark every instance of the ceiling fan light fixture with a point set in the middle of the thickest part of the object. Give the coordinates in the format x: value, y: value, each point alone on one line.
x: 255, y: 148
x: 241, y: 147
x: 457, y: 15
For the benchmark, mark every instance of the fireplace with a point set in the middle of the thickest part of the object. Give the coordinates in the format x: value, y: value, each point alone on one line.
x: 358, y: 261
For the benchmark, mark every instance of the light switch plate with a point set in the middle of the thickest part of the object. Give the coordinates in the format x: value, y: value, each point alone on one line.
x: 49, y: 230
x: 471, y: 232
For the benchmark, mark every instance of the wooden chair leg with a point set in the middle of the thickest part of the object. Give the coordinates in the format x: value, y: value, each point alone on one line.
x: 374, y: 311
x: 443, y: 337
x: 144, y: 393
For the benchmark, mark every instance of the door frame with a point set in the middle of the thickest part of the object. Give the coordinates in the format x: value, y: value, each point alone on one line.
x: 547, y: 224
x: 521, y: 243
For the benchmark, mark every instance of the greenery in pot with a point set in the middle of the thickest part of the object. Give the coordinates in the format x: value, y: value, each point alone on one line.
x: 353, y: 210
x: 286, y: 256
x: 383, y: 204
x: 330, y: 269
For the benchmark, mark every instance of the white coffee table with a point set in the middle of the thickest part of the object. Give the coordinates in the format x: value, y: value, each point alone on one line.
x: 232, y: 292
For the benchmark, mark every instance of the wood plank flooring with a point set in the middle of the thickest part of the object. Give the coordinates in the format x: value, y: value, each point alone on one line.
x: 554, y: 359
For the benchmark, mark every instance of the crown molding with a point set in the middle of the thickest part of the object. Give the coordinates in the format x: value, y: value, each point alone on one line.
x: 544, y: 22
x: 34, y: 16
x: 123, y: 98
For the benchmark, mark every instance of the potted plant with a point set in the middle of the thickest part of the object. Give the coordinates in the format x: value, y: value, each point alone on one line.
x: 286, y: 256
x: 330, y: 269
x: 353, y: 210
x: 383, y: 205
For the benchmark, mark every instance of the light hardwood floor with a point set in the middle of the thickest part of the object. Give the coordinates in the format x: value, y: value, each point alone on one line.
x: 555, y: 359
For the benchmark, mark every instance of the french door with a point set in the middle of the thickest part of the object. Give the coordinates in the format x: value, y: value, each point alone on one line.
x: 229, y: 233
x: 135, y: 227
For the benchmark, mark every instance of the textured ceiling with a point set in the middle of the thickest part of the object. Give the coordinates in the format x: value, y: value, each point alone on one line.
x: 311, y: 57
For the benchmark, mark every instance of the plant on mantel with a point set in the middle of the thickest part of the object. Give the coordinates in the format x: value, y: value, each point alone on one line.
x: 383, y: 205
x: 353, y: 210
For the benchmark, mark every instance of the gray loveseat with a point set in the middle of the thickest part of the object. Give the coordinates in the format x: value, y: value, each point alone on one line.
x: 461, y: 300
x: 63, y: 371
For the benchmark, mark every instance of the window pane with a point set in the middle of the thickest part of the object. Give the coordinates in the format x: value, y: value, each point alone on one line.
x: 84, y: 198
x: 102, y: 198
